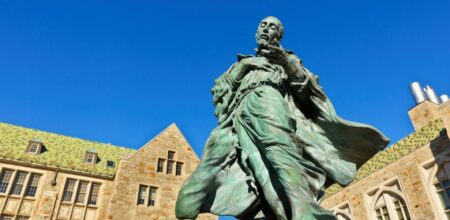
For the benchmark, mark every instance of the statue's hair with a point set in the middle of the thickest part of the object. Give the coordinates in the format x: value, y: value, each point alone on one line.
x: 281, y: 27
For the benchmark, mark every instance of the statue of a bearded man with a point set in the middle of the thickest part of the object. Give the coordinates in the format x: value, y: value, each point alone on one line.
x: 279, y: 142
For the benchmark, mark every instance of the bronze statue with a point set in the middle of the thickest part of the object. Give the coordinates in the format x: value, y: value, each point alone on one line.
x: 279, y: 142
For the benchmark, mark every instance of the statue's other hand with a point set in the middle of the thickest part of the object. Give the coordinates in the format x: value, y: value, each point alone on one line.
x: 275, y: 54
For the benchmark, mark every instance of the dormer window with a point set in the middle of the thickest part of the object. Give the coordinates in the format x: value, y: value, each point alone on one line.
x: 91, y: 156
x: 34, y: 146
x: 110, y: 164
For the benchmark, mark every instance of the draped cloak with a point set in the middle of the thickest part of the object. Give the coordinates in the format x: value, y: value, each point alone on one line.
x: 270, y: 122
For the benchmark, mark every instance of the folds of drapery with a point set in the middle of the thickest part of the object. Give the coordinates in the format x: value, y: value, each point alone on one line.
x: 233, y: 173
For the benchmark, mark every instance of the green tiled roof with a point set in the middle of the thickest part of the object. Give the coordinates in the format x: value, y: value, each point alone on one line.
x: 60, y: 151
x: 398, y: 150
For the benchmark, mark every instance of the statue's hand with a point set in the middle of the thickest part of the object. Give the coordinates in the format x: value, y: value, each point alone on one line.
x: 291, y: 63
x: 275, y: 54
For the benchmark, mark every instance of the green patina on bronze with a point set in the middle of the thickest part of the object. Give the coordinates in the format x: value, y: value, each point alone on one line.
x: 279, y: 142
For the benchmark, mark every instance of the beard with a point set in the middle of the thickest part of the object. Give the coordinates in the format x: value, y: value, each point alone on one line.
x: 263, y: 42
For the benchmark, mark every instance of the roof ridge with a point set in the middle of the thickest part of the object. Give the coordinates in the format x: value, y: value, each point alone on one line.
x: 62, y: 151
x: 154, y: 138
x: 361, y: 174
x: 65, y: 136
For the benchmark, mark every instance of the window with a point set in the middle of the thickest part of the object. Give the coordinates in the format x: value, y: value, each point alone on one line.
x: 152, y: 196
x: 110, y: 164
x: 443, y: 190
x: 34, y: 146
x: 93, y: 197
x: 32, y: 185
x: 342, y: 211
x: 141, y: 195
x: 382, y: 213
x: 400, y: 208
x: 82, y: 188
x: 90, y: 158
x: 4, y: 180
x: 441, y: 184
x: 160, y: 165
x: 170, y: 155
x: 82, y: 191
x: 86, y: 196
x: 178, y: 169
x: 4, y: 217
x: 170, y: 164
x: 169, y: 167
x: 390, y: 205
x: 387, y: 202
x: 68, y: 190
x: 18, y: 183
x: 340, y: 216
x: 21, y: 217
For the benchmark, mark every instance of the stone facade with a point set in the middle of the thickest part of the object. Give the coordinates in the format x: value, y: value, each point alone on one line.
x: 411, y: 185
x: 140, y: 169
x: 139, y: 188
x: 428, y: 111
x: 47, y: 202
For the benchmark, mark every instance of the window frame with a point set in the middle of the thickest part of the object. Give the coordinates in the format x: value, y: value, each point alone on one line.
x: 430, y: 169
x: 90, y: 199
x: 30, y: 184
x: 171, y: 154
x: 141, y: 197
x: 179, y: 168
x: 8, y: 182
x: 389, y: 191
x: 148, y: 197
x: 152, y: 196
x: 169, y: 166
x: 160, y: 165
x: 82, y: 191
x: 89, y: 156
x: 110, y: 164
x: 23, y: 175
x: 74, y: 188
x: 390, y: 197
x: 344, y: 210
x: 34, y: 144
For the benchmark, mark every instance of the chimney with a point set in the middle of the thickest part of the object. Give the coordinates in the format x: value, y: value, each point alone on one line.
x: 418, y: 94
x: 428, y: 107
x: 431, y: 95
x: 444, y: 98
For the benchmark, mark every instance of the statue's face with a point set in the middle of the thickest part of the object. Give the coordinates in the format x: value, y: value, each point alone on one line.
x: 269, y: 31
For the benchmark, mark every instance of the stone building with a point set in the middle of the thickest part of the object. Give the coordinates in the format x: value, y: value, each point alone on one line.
x: 50, y: 176
x: 408, y: 180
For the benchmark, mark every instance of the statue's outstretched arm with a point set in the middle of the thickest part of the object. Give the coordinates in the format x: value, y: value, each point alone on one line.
x: 298, y: 76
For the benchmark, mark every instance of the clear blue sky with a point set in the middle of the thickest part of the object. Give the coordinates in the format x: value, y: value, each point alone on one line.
x: 121, y: 71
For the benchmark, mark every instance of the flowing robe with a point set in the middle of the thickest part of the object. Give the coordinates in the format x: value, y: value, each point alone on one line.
x: 278, y: 143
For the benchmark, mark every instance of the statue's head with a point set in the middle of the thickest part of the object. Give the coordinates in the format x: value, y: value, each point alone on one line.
x: 270, y: 31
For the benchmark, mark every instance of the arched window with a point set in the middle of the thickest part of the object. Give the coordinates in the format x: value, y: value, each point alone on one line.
x: 341, y: 216
x: 439, y: 185
x: 391, y: 206
x: 342, y: 212
x: 387, y: 202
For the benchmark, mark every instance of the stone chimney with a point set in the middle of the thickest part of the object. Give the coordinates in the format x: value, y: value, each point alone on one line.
x: 429, y: 108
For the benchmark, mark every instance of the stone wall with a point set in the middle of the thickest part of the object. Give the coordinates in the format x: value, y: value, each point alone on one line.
x: 118, y: 196
x: 409, y: 177
x: 427, y: 111
x: 47, y: 203
x: 140, y: 169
